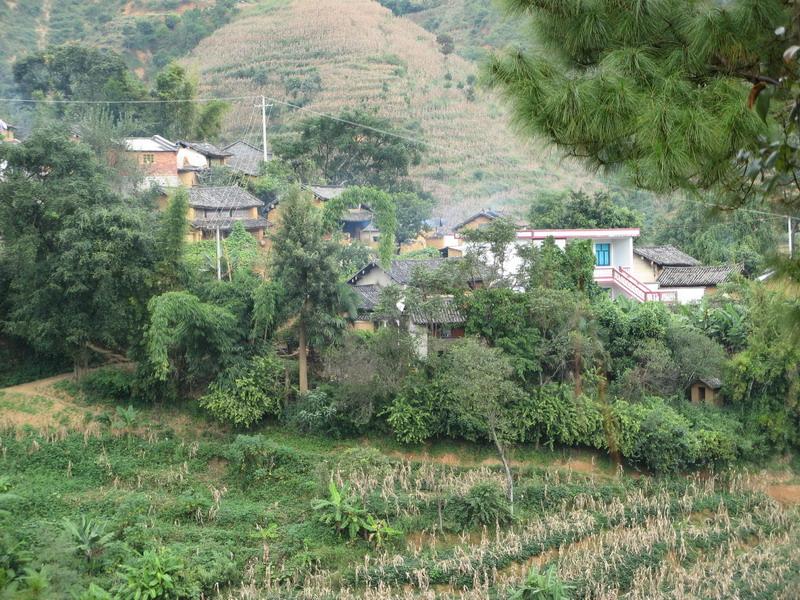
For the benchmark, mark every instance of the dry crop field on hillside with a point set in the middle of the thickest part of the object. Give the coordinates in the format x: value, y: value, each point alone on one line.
x: 329, y: 55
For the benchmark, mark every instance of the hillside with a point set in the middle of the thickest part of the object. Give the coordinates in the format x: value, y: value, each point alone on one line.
x: 328, y: 55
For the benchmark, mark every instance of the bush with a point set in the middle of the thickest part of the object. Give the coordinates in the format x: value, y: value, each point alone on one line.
x: 108, y: 383
x: 155, y: 575
x: 244, y: 395
x: 544, y: 586
x: 314, y: 412
x: 255, y: 458
x: 484, y: 504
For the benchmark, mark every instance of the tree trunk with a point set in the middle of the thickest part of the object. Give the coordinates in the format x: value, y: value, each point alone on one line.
x: 302, y: 352
x: 509, y: 478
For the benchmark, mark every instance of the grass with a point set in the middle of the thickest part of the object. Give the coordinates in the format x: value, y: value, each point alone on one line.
x: 177, y: 481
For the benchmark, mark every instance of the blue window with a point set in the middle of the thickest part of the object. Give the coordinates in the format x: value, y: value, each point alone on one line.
x: 603, y: 254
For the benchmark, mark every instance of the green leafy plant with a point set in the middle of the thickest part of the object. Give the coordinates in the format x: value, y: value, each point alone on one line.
x: 544, y: 586
x: 153, y: 576
x: 128, y: 417
x: 342, y: 512
x: 89, y: 538
x: 94, y: 592
x: 484, y: 504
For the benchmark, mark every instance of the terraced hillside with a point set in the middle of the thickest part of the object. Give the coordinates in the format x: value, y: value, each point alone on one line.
x: 326, y: 55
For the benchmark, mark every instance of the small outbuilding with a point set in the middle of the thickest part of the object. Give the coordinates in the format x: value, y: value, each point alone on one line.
x: 706, y: 390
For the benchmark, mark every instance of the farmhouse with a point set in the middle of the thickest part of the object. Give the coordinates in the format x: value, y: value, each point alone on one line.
x: 158, y: 159
x: 434, y: 321
x: 706, y: 390
x: 220, y: 207
x: 245, y: 158
x: 7, y: 132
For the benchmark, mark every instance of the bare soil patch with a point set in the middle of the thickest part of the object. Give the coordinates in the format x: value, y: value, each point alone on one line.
x: 784, y: 493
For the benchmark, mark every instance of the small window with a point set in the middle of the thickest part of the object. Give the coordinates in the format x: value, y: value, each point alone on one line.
x: 375, y: 238
x: 148, y: 159
x: 603, y: 254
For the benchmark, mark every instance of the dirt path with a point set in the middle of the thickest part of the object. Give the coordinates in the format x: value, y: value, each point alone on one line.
x: 40, y: 387
x: 43, y: 27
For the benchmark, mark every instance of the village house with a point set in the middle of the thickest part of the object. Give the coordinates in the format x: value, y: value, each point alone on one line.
x: 158, y: 159
x: 245, y: 159
x: 7, y: 132
x: 706, y: 390
x: 220, y: 207
x: 195, y: 158
x: 434, y: 322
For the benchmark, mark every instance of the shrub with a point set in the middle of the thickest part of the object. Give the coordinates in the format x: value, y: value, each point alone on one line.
x: 484, y: 504
x: 346, y: 516
x: 155, y: 575
x: 89, y: 538
x: 255, y: 458
x: 544, y: 586
x: 108, y: 383
x: 244, y: 395
x: 314, y: 412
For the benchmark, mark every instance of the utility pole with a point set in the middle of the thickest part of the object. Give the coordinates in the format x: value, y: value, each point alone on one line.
x: 219, y: 256
x: 791, y: 238
x: 264, y: 126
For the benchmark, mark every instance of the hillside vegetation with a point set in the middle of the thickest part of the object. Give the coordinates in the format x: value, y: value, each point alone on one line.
x: 328, y: 55
x: 233, y: 513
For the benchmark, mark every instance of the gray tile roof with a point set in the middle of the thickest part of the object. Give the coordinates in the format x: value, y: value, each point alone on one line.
x: 354, y: 215
x: 666, y: 256
x: 245, y: 158
x: 224, y: 197
x: 486, y: 212
x: 368, y: 296
x: 226, y: 223
x: 205, y: 148
x: 437, y: 310
x: 699, y: 276
x: 711, y: 382
x: 326, y: 192
x: 402, y: 271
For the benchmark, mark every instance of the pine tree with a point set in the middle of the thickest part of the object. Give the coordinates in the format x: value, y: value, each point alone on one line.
x: 657, y: 87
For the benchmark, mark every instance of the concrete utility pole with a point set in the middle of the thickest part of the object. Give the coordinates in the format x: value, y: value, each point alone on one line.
x: 264, y: 126
x: 791, y: 238
x: 219, y: 256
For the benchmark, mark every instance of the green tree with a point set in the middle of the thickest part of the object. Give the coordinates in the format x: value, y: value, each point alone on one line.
x: 187, y: 342
x: 172, y: 233
x: 579, y: 210
x: 412, y: 211
x: 78, y: 259
x: 357, y: 148
x: 244, y: 394
x: 494, y: 240
x: 75, y: 72
x: 304, y: 262
x: 478, y: 378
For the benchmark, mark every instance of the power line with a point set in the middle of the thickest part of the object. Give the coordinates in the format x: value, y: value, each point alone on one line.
x: 178, y: 101
x: 304, y: 109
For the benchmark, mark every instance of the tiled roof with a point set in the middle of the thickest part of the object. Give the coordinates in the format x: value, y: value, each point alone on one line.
x: 229, y: 196
x: 699, y: 276
x: 711, y: 382
x: 226, y: 223
x: 326, y: 192
x: 666, y: 256
x: 486, y: 212
x: 245, y: 158
x: 206, y: 149
x: 402, y: 270
x: 437, y: 310
x: 369, y: 296
x: 354, y: 215
x: 150, y: 144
